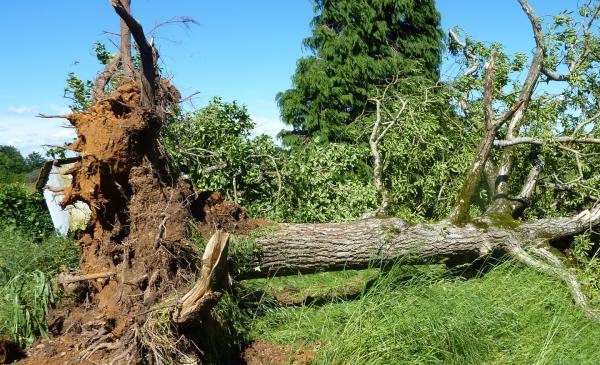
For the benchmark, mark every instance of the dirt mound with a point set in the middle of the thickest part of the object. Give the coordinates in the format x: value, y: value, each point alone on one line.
x: 216, y: 213
x: 135, y: 250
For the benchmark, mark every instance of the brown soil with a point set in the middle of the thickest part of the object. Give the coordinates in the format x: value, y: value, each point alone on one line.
x: 137, y: 236
x: 267, y: 353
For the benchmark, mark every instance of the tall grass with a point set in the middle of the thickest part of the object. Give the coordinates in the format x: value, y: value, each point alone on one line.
x: 26, y: 271
x: 511, y: 315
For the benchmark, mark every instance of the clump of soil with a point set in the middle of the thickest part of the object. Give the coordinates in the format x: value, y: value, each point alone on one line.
x: 215, y: 213
x: 135, y: 250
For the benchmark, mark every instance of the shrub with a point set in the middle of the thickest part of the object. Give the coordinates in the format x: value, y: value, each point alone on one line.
x: 23, y: 210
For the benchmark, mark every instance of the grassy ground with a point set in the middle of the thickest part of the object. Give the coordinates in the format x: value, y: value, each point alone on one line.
x: 511, y: 315
x: 27, y: 268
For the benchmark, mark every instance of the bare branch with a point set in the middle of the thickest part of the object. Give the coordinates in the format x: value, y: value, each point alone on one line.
x: 466, y: 47
x: 178, y: 20
x: 68, y: 278
x: 377, y: 166
x: 541, y: 141
x: 488, y: 96
x: 527, y: 191
x: 553, y: 267
x: 104, y: 77
x: 554, y: 76
x: 534, y: 69
x: 50, y: 116
x: 217, y: 167
x: 460, y: 212
x: 571, y: 188
x: 516, y: 112
x: 585, y: 123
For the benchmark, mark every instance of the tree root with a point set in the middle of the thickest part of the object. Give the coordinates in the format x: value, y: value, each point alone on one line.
x: 551, y: 265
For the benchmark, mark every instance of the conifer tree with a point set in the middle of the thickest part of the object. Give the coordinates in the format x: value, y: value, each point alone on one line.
x: 356, y: 45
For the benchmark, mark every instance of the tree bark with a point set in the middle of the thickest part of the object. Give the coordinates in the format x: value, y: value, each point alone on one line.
x: 149, y: 74
x: 305, y: 248
x: 461, y: 211
x: 125, y: 50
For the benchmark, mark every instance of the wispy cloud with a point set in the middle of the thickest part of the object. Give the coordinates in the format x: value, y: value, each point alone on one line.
x: 22, y: 109
x: 28, y: 133
x: 267, y: 125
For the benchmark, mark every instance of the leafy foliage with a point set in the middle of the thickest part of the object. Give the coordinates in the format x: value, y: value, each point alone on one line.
x: 357, y: 44
x: 322, y: 183
x: 214, y: 148
x: 25, y: 301
x: 33, y: 161
x: 24, y: 211
x: 79, y: 91
x: 424, y: 148
x: 12, y: 164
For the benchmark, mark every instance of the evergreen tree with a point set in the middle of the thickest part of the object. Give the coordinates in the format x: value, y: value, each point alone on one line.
x: 356, y: 45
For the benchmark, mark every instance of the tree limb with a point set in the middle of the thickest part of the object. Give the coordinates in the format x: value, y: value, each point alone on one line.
x: 517, y: 112
x: 553, y: 267
x: 460, y: 212
x: 466, y: 47
x: 524, y: 198
x: 147, y: 55
x: 104, y: 77
x: 541, y: 141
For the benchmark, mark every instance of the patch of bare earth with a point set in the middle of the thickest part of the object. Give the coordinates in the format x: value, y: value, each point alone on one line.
x: 267, y: 353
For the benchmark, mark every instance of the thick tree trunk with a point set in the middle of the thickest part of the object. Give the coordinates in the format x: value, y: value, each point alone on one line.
x: 293, y: 248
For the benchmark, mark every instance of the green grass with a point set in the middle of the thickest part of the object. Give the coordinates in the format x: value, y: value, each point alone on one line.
x: 26, y: 271
x: 511, y: 315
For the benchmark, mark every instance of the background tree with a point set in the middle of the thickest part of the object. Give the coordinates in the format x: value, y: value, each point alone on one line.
x: 33, y: 161
x: 12, y: 164
x: 214, y: 148
x: 356, y: 45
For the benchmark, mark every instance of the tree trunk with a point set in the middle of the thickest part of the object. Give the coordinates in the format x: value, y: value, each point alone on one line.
x: 293, y: 248
x: 125, y: 50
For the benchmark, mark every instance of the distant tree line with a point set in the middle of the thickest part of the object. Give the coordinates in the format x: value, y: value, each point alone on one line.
x: 14, y: 167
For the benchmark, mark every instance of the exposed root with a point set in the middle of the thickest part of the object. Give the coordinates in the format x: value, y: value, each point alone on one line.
x: 551, y: 265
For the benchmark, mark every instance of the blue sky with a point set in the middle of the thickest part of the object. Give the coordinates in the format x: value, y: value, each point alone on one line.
x: 241, y: 50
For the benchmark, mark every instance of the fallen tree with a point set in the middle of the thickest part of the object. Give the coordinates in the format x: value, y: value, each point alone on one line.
x: 138, y: 267
x: 293, y: 248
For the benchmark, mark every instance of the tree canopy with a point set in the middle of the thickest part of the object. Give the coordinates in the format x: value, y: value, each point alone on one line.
x: 13, y: 165
x: 356, y: 45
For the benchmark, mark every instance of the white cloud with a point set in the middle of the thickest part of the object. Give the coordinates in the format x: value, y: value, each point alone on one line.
x: 22, y: 109
x: 29, y: 133
x: 267, y: 125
